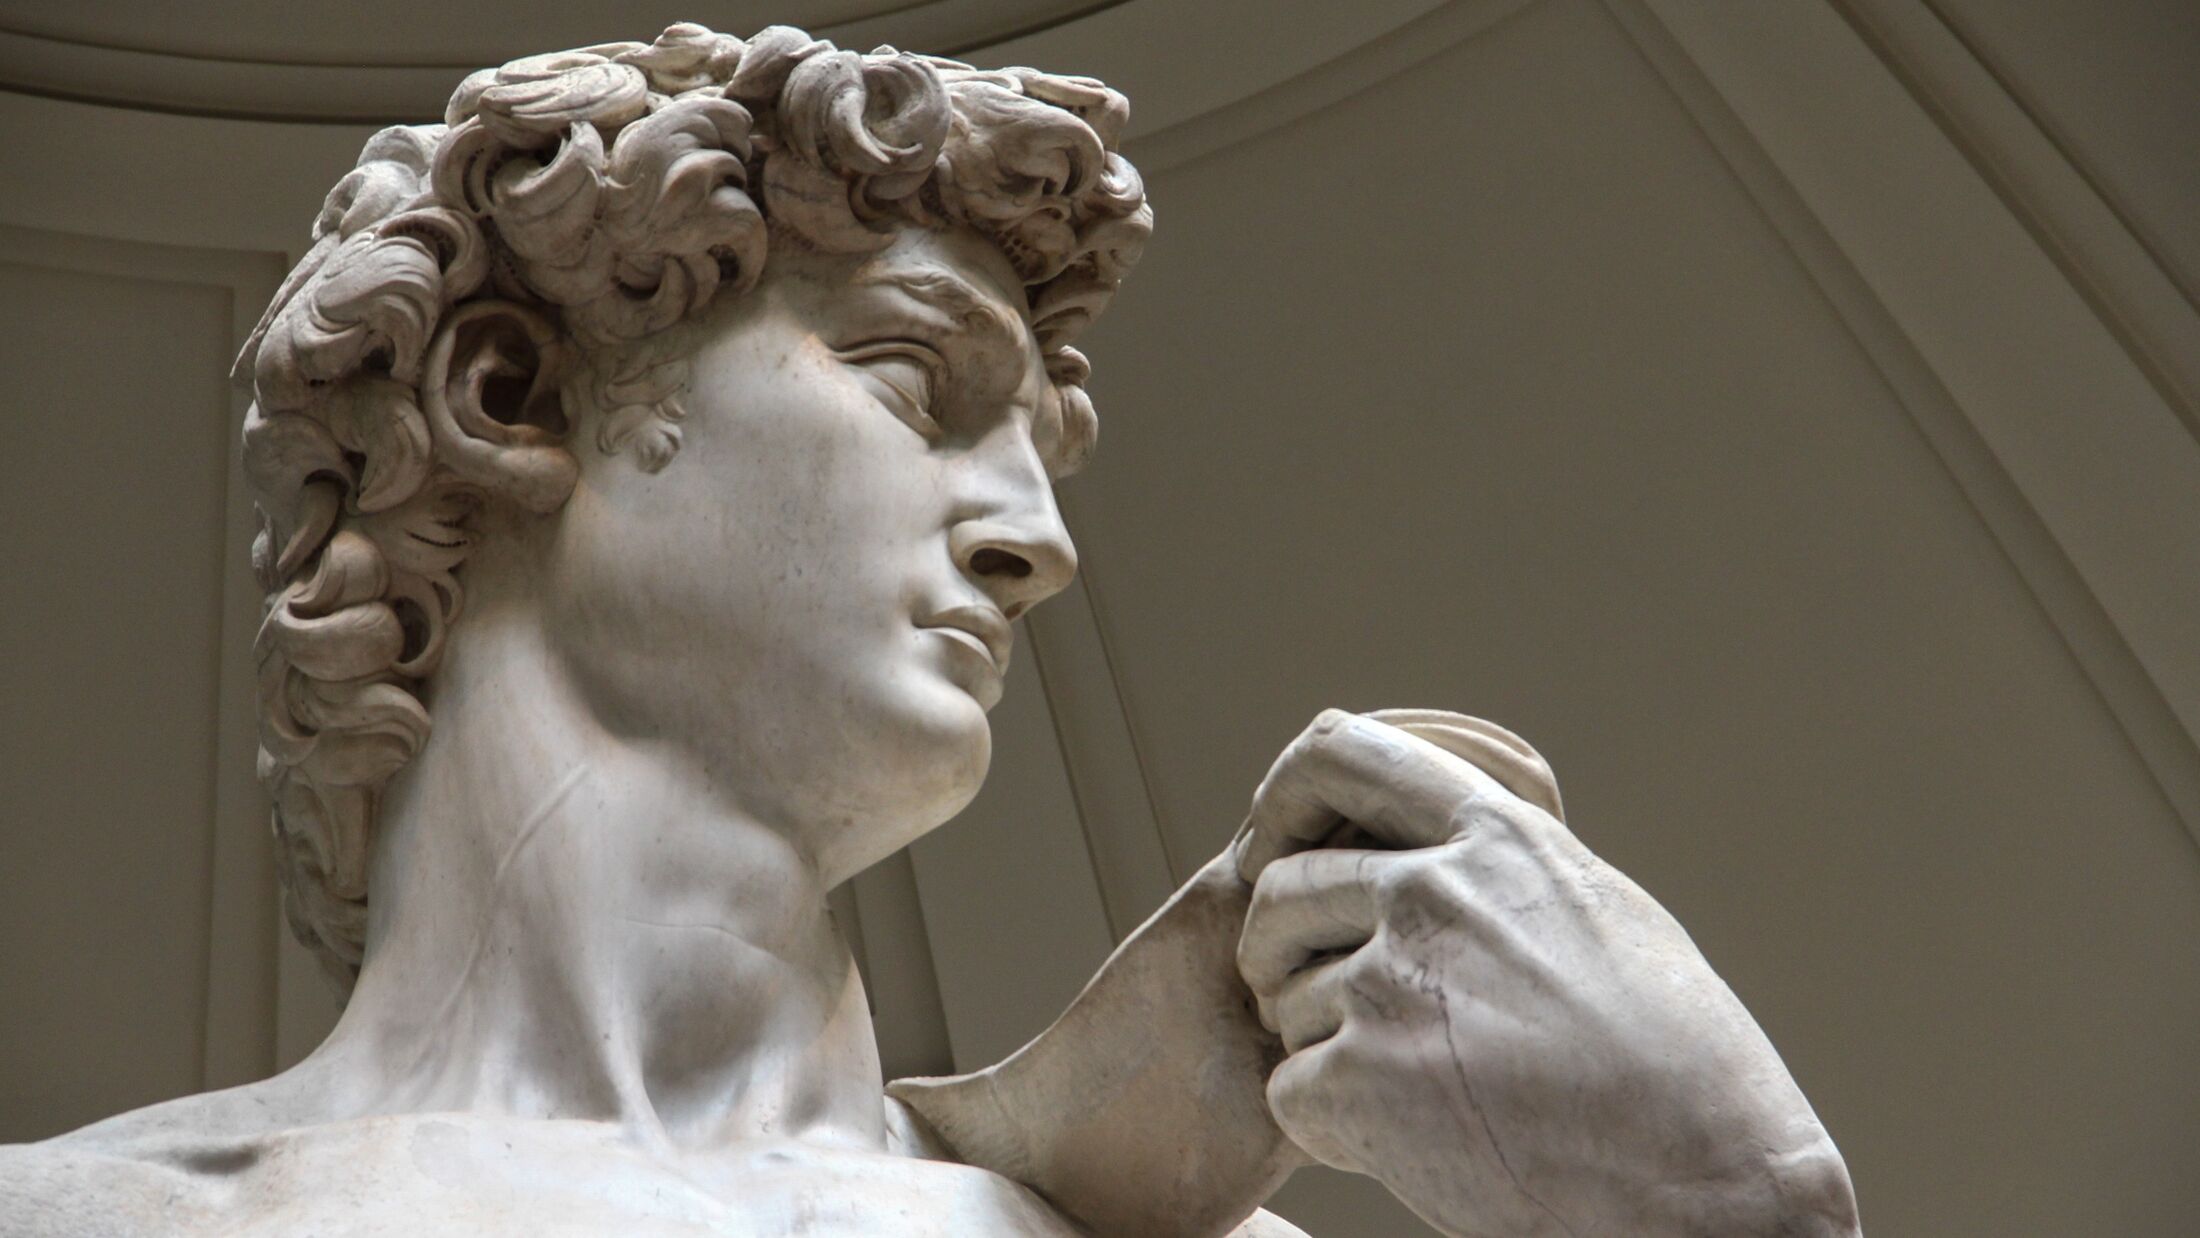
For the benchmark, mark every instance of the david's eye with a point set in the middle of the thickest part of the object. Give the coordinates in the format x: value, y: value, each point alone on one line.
x: 905, y: 378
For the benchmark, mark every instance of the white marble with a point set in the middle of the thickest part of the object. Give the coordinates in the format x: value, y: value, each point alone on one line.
x: 722, y: 385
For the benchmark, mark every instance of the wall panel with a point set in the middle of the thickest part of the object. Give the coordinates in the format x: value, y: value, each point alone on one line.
x: 127, y: 979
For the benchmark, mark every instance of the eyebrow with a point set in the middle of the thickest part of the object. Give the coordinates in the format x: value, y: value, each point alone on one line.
x: 950, y: 294
x: 960, y: 302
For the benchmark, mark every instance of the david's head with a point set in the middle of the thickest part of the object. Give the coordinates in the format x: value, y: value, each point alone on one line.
x: 739, y: 368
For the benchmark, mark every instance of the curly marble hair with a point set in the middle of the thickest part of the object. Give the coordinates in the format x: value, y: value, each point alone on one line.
x: 478, y: 291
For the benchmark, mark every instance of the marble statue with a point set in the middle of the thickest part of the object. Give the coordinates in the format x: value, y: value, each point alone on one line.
x: 722, y: 384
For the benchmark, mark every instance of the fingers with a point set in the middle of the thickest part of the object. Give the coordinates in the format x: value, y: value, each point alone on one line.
x: 1310, y: 1008
x: 1402, y: 790
x: 1491, y: 748
x: 1304, y: 1097
x: 1304, y: 906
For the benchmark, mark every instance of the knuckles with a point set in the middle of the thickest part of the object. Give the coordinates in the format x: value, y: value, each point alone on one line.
x: 1331, y: 720
x: 1304, y: 1094
x: 1495, y: 818
x: 1370, y: 988
x: 1411, y: 878
x: 1330, y: 729
x: 1323, y: 1095
x: 1413, y: 887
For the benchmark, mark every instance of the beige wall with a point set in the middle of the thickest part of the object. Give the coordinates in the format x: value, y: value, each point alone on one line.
x: 1781, y: 413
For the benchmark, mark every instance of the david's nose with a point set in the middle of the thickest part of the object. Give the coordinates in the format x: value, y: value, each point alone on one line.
x: 1019, y: 556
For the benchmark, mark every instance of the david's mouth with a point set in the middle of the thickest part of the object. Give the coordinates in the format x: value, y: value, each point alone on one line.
x: 980, y: 627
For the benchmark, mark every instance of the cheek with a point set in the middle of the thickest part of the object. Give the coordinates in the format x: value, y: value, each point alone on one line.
x: 796, y: 530
x: 628, y: 611
x: 814, y: 531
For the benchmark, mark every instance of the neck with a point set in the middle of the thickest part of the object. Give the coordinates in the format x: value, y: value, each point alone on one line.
x: 570, y: 924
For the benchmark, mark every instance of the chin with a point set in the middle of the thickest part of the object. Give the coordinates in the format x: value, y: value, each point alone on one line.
x: 950, y: 751
x: 931, y: 762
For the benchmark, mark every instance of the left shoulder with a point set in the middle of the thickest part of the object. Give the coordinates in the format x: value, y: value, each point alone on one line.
x: 1266, y: 1224
x: 907, y: 1134
x: 66, y: 1188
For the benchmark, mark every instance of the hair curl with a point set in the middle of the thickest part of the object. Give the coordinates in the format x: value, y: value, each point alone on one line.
x: 478, y: 290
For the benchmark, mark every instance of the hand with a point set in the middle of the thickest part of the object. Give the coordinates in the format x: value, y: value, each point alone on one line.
x: 1502, y: 1028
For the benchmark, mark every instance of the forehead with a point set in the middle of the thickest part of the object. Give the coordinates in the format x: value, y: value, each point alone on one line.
x: 956, y: 273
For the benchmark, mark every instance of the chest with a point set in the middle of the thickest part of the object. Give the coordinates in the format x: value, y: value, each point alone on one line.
x: 431, y: 1177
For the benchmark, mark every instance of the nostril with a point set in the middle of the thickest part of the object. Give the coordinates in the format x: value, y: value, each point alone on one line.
x: 993, y: 561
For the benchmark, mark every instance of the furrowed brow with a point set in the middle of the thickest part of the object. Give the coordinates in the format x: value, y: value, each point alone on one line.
x: 960, y: 302
x: 950, y: 294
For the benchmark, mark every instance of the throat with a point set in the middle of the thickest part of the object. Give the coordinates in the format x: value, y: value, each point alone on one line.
x: 743, y: 1029
x: 619, y: 946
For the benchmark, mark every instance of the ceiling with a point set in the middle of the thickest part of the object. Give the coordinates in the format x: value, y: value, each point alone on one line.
x: 467, y: 36
x: 330, y: 59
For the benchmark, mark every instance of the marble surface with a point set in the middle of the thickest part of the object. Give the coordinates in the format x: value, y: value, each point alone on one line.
x: 722, y: 384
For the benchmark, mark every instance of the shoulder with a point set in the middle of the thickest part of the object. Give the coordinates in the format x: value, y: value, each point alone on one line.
x: 1266, y: 1224
x: 78, y: 1189
x: 162, y: 1170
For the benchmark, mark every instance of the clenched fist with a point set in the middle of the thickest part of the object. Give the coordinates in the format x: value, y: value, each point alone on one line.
x: 1502, y: 1028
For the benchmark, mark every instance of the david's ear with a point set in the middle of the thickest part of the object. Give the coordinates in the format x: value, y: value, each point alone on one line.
x: 490, y: 388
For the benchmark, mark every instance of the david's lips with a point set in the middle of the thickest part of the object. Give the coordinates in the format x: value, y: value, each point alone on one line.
x: 982, y: 624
